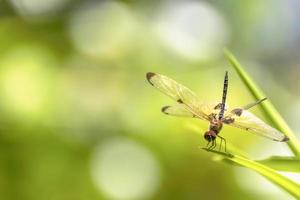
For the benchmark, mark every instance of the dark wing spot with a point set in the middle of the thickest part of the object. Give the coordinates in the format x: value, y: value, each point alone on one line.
x: 149, y: 75
x: 237, y: 111
x: 228, y: 120
x: 179, y: 101
x: 163, y: 109
x: 218, y: 106
x: 285, y: 139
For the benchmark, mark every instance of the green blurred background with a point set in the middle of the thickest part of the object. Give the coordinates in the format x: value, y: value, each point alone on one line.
x: 79, y: 120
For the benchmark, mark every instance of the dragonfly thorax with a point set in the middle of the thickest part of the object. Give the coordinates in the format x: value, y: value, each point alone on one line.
x: 215, y: 125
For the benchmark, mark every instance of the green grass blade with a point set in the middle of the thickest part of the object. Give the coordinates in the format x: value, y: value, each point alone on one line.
x: 269, y: 110
x: 278, y: 179
x: 288, y: 164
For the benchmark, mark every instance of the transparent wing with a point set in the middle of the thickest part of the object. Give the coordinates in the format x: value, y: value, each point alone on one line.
x: 181, y: 94
x: 244, y: 119
x: 179, y: 110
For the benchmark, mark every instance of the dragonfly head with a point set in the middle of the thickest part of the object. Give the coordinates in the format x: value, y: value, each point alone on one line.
x: 210, y: 135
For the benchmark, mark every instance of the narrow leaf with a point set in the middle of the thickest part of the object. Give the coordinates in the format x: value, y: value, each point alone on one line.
x: 288, y: 164
x: 288, y: 185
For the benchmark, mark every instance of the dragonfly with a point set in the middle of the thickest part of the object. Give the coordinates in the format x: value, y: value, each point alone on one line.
x: 217, y: 114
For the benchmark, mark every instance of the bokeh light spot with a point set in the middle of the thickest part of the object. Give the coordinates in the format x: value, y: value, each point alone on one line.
x: 123, y: 169
x: 25, y: 80
x: 31, y: 8
x: 195, y: 30
x: 102, y: 29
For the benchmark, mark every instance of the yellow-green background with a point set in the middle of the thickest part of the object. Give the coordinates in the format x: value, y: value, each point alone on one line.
x: 79, y: 120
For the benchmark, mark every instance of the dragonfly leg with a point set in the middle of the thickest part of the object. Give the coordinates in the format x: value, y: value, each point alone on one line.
x: 207, y: 144
x: 214, y: 144
x: 220, y: 148
x: 221, y: 142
